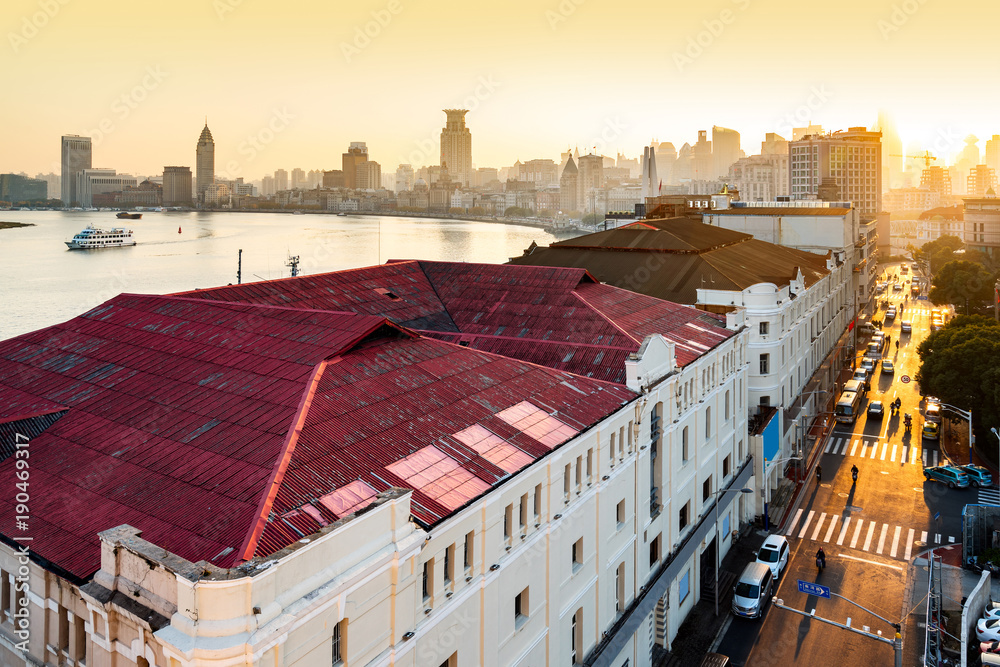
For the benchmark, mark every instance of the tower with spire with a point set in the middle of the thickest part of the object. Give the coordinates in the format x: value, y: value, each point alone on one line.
x: 204, y: 162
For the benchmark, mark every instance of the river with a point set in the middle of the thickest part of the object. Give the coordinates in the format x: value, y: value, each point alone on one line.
x: 42, y: 283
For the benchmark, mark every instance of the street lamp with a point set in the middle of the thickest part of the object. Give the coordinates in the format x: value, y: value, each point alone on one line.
x: 718, y: 495
x: 797, y: 456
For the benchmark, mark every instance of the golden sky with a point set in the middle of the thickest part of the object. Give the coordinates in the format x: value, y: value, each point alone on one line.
x: 538, y: 76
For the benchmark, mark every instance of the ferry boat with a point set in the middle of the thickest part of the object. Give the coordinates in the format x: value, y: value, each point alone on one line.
x: 92, y: 237
x: 125, y: 215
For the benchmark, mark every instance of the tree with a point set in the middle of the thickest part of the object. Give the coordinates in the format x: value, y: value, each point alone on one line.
x: 960, y: 363
x: 963, y: 282
x: 517, y: 212
x: 939, y: 252
x: 592, y: 219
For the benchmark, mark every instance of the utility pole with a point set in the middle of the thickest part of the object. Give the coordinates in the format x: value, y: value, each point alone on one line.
x: 239, y: 268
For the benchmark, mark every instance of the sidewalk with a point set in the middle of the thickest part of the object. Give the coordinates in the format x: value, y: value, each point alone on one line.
x: 701, y: 628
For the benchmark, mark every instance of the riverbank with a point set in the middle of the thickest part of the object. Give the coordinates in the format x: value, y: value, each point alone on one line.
x: 14, y: 225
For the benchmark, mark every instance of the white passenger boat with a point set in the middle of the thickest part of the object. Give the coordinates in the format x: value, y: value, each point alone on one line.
x: 92, y: 237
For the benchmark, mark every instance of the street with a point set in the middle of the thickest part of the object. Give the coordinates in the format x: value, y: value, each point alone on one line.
x: 869, y: 530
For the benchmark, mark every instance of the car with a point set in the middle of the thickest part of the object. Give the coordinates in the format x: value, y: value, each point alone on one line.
x: 774, y: 554
x: 932, y: 401
x: 897, y: 287
x: 887, y: 367
x: 906, y: 326
x: 953, y: 476
x: 878, y: 337
x: 874, y: 350
x: 868, y: 364
x: 979, y: 476
x: 931, y: 431
x: 891, y: 313
x: 861, y: 375
x: 875, y: 410
x: 988, y: 629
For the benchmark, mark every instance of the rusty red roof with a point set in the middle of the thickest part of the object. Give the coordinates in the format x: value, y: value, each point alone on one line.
x: 225, y: 431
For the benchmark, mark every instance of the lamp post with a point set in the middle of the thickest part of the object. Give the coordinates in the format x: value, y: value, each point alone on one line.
x: 767, y: 484
x: 718, y: 496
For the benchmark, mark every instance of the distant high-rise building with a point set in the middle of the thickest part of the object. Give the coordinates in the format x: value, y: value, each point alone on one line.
x: 981, y: 180
x: 299, y: 179
x: 15, y: 188
x: 701, y: 165
x: 77, y: 155
x: 267, y: 186
x: 369, y: 176
x: 177, y: 186
x: 967, y: 160
x: 205, y: 162
x: 484, y: 176
x: 568, y: 187
x: 90, y: 182
x: 590, y: 178
x: 280, y: 180
x: 314, y: 178
x: 774, y: 144
x: 356, y: 154
x: 333, y: 178
x: 936, y: 179
x: 852, y: 159
x: 456, y: 147
x: 992, y: 154
x: 54, y: 184
x: 666, y: 158
x: 404, y: 178
x: 725, y: 150
x: 892, y: 152
x: 800, y: 132
x: 760, y: 177
x: 650, y: 181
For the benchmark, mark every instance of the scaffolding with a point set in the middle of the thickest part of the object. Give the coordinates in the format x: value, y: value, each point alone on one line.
x: 934, y: 621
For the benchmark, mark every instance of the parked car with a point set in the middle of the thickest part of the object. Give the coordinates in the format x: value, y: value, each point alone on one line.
x: 979, y: 476
x: 861, y: 375
x: 953, y: 476
x: 753, y: 591
x: 988, y: 629
x: 906, y: 326
x: 774, y: 554
x: 875, y: 410
x: 874, y: 350
x: 931, y: 430
x: 891, y: 313
x: 868, y: 364
x: 887, y: 367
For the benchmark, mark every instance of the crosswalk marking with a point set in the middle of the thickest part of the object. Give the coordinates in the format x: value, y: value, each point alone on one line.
x: 874, y: 450
x: 805, y: 525
x: 893, y: 457
x: 937, y: 538
x: 895, y: 541
x: 843, y: 531
x: 923, y: 536
x: 909, y: 545
x: 925, y: 458
x: 885, y: 448
x: 829, y: 444
x: 819, y: 524
x: 951, y: 539
x: 857, y: 533
x: 842, y: 445
x: 855, y: 446
x: 935, y: 457
x: 913, y: 450
x: 795, y: 520
x: 881, y: 538
x: 989, y: 496
x: 829, y: 531
x: 869, y: 536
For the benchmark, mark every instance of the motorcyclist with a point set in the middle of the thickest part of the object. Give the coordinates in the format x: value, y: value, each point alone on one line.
x: 854, y: 472
x: 898, y: 404
x: 821, y: 558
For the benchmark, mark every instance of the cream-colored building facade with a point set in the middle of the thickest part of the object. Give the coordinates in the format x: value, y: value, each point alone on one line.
x: 589, y: 555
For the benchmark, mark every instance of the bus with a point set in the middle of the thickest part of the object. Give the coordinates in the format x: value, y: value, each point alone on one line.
x: 855, y: 387
x: 848, y: 407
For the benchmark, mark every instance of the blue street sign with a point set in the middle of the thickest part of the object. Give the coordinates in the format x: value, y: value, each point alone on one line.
x: 809, y: 588
x: 937, y: 516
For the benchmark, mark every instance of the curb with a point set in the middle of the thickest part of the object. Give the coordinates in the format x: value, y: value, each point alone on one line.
x: 793, y: 505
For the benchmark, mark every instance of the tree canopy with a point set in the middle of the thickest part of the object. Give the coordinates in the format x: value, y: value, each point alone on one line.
x: 963, y: 283
x: 939, y: 252
x: 960, y: 363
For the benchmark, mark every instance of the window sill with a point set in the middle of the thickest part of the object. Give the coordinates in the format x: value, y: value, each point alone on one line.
x: 519, y: 622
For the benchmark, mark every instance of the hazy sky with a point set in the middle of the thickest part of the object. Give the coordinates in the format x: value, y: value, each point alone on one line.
x: 538, y: 76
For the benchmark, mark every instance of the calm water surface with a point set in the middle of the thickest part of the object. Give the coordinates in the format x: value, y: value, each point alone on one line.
x: 42, y: 283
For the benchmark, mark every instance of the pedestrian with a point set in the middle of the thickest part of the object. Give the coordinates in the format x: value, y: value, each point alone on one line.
x: 887, y: 339
x: 897, y: 346
x: 819, y: 474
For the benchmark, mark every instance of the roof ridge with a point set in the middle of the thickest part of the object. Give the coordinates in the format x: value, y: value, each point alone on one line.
x: 437, y: 295
x: 202, y: 290
x: 249, y: 304
x: 605, y: 317
x: 249, y: 545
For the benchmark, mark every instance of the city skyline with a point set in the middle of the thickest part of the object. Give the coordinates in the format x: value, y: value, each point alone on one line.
x: 141, y: 115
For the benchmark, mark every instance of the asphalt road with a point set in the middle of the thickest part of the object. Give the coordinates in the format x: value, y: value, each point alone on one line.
x: 870, y: 530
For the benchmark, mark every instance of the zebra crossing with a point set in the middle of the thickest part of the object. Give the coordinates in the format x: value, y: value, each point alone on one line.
x: 989, y: 497
x: 875, y: 537
x: 883, y: 451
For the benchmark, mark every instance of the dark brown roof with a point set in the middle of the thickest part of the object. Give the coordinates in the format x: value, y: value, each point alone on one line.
x: 665, y: 264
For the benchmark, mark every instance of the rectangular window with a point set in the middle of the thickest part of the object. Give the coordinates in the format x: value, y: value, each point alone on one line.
x: 508, y: 521
x: 764, y: 364
x: 654, y: 550
x: 427, y: 584
x: 684, y: 586
x: 620, y: 513
x: 682, y: 518
x: 523, y: 512
x: 577, y: 554
x: 469, y: 551
x: 579, y: 474
x: 620, y: 588
x: 521, y: 608
x: 449, y: 565
x: 338, y: 643
x: 566, y: 480
x: 684, y: 444
x: 708, y: 423
x: 611, y: 450
x: 538, y: 502
x: 629, y: 435
x: 725, y: 466
x: 764, y: 328
x: 590, y: 466
x: 576, y: 637
x: 706, y: 489
x: 726, y: 413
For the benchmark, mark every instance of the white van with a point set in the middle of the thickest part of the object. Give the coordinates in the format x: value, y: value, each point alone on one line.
x: 752, y: 590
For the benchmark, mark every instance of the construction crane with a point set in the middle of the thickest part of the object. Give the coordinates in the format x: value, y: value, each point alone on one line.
x: 926, y: 157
